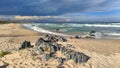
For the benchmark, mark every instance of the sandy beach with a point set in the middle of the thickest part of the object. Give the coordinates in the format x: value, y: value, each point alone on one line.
x: 104, y: 53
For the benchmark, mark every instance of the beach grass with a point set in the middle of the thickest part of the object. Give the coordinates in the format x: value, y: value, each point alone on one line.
x: 3, y: 53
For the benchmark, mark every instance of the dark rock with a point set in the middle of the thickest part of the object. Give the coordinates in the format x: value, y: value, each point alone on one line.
x: 60, y: 66
x: 62, y: 39
x: 53, y: 49
x: 46, y: 57
x: 68, y: 56
x: 85, y: 58
x: 60, y: 60
x: 80, y: 57
x: 77, y: 57
x: 69, y: 46
x: 50, y: 46
x: 57, y: 47
x: 92, y: 31
x: 77, y: 37
x: 39, y: 42
x: 63, y: 49
x: 25, y: 44
x: 40, y: 50
x: 5, y: 65
x: 55, y: 38
x: 50, y: 38
x: 76, y: 60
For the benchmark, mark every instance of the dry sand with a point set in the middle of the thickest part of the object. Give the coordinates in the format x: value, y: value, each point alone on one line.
x: 103, y: 53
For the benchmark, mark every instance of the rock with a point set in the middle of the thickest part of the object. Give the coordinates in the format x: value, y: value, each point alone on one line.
x: 92, y: 31
x: 88, y: 36
x: 60, y: 66
x: 40, y: 50
x: 46, y: 57
x: 57, y: 47
x: 77, y: 37
x: 25, y: 44
x: 60, y: 60
x: 63, y: 49
x: 53, y: 49
x: 50, y: 38
x: 49, y: 47
x: 69, y: 46
x: 62, y: 39
x: 4, y: 65
x: 55, y: 38
x: 80, y: 57
x: 77, y: 57
x: 39, y: 42
x: 84, y: 58
x: 68, y: 56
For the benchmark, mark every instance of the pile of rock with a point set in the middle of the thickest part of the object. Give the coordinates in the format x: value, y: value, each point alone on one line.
x: 55, y: 38
x: 48, y: 49
x: 46, y: 46
x: 25, y: 44
x: 90, y: 35
x: 77, y: 57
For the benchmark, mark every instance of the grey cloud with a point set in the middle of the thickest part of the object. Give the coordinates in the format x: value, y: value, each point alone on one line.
x: 55, y: 7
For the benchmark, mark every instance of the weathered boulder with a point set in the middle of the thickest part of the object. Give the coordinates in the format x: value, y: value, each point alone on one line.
x: 62, y: 39
x: 46, y: 57
x: 55, y: 38
x: 39, y: 42
x: 25, y: 44
x: 60, y: 60
x: 77, y: 57
x: 39, y: 50
x: 60, y: 66
x: 48, y: 48
x: 78, y: 37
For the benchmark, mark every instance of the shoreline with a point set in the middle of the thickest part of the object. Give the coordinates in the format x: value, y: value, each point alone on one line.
x: 46, y: 31
x: 97, y: 35
x: 24, y: 33
x: 103, y: 52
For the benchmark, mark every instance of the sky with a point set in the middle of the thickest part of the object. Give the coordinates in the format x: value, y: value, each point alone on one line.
x: 62, y: 10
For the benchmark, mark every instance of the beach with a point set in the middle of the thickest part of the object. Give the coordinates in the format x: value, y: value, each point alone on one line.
x: 104, y: 53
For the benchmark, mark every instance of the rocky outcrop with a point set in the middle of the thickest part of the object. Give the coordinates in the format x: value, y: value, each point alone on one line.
x: 78, y: 37
x: 25, y: 44
x: 48, y: 48
x: 55, y: 38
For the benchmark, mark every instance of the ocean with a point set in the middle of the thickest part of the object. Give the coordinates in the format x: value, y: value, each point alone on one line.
x: 103, y: 31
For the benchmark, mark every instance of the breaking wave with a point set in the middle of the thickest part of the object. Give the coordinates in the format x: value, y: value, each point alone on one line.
x: 111, y: 30
x: 95, y: 25
x: 36, y: 28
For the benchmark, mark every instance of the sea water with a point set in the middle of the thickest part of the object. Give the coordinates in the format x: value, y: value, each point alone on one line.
x: 106, y: 31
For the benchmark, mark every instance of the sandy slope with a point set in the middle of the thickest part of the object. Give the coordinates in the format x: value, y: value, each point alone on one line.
x: 103, y: 53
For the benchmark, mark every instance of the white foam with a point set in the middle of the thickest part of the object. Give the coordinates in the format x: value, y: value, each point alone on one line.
x: 81, y: 25
x: 71, y: 26
x: 113, y: 34
x: 43, y: 30
x: 95, y: 25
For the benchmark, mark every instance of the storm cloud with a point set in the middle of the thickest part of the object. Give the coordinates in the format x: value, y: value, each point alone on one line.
x: 55, y: 7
